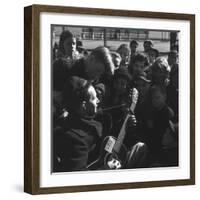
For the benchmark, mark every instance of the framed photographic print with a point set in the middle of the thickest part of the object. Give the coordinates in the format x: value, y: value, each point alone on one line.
x: 109, y: 99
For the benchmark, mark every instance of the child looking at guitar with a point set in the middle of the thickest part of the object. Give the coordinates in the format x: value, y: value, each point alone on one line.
x: 120, y: 94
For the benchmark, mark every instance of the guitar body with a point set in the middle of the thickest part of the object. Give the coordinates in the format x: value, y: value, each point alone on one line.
x: 109, y: 156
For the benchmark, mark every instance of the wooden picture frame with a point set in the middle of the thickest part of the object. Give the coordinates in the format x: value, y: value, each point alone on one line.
x: 32, y: 92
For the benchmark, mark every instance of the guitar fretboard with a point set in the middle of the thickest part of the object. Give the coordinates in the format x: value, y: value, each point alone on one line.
x: 122, y: 132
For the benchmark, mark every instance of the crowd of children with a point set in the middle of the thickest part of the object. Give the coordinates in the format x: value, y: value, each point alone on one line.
x: 92, y: 94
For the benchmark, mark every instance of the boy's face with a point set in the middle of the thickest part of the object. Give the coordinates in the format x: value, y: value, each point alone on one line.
x: 125, y: 55
x: 158, y: 100
x: 92, y: 103
x: 172, y: 60
x: 120, y: 85
x: 152, y: 56
x: 138, y: 67
x: 133, y: 47
x: 70, y: 46
x: 116, y: 60
x: 147, y: 46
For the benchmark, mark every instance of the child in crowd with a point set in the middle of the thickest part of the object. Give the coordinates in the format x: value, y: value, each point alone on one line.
x: 142, y: 84
x: 120, y: 94
x: 152, y: 55
x: 160, y: 71
x: 148, y: 44
x: 125, y: 53
x: 65, y: 58
x: 133, y: 46
x: 154, y: 122
x: 68, y: 47
x: 116, y: 58
x: 172, y: 89
x: 172, y: 58
x: 137, y: 66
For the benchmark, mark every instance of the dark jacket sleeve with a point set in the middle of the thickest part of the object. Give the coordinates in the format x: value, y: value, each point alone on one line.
x: 61, y: 70
x: 72, y: 152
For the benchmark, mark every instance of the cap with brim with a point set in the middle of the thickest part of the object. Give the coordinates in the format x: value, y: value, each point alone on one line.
x: 148, y: 42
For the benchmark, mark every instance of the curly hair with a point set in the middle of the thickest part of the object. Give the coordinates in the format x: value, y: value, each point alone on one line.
x: 75, y: 91
x: 103, y: 55
x: 64, y: 35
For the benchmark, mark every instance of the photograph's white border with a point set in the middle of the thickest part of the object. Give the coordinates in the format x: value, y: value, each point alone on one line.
x: 48, y: 179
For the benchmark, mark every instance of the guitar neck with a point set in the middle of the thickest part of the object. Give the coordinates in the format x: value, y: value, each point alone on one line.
x: 122, y: 132
x: 121, y: 135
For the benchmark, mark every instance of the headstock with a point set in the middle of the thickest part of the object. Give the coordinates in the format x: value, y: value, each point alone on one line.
x: 134, y: 97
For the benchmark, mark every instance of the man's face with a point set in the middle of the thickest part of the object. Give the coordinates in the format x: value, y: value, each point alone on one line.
x: 92, y: 103
x: 69, y: 46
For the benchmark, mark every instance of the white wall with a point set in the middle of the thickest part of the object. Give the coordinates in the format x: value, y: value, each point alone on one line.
x: 11, y: 101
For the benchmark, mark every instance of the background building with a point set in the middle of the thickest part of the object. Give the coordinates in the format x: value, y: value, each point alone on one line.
x: 92, y: 37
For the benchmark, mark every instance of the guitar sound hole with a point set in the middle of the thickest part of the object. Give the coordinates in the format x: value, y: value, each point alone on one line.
x: 112, y: 162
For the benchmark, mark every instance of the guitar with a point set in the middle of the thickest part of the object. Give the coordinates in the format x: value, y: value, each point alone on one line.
x: 113, y: 152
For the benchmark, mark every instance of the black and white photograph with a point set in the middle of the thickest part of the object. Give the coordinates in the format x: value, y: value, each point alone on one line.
x: 100, y: 100
x: 109, y: 99
x: 114, y: 98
